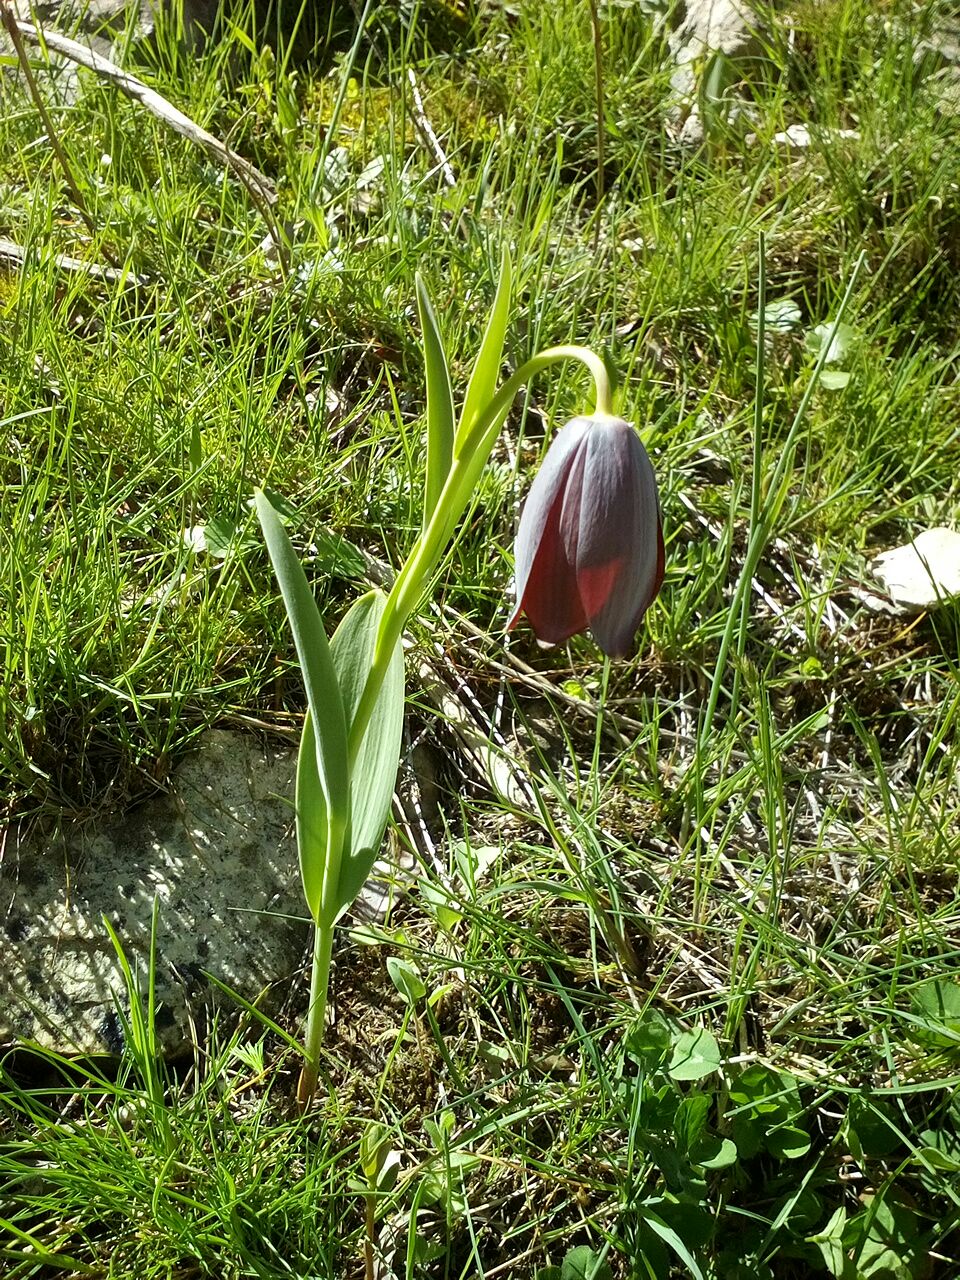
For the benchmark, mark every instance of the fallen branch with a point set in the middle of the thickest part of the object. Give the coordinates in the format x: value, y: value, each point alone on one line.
x: 261, y: 190
x: 13, y: 28
x: 15, y: 254
x: 426, y: 131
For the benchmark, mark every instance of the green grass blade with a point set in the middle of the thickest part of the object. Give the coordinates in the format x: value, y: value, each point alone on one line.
x: 323, y: 798
x: 486, y: 369
x: 670, y: 1237
x: 440, y: 415
x: 36, y: 1252
x: 375, y: 771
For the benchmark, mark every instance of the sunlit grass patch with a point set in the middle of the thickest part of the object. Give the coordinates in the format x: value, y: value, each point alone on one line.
x: 688, y: 998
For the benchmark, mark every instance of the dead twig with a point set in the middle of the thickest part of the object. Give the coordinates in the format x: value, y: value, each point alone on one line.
x: 14, y: 29
x: 259, y: 187
x: 16, y: 255
x: 426, y: 131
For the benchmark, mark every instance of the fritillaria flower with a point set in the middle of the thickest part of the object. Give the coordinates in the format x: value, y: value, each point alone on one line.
x: 589, y: 548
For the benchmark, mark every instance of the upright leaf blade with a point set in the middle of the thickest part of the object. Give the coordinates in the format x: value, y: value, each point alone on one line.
x: 440, y: 415
x: 670, y: 1237
x: 486, y: 369
x: 374, y: 772
x: 323, y: 791
x: 313, y: 826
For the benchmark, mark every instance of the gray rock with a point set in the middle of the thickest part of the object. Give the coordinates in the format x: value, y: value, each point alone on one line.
x: 709, y: 28
x: 106, y: 18
x: 219, y: 854
x: 921, y: 574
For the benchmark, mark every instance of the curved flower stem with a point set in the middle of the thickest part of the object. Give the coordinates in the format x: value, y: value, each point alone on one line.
x: 468, y: 462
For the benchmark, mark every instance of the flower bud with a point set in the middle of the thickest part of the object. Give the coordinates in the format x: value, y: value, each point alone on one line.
x: 589, y: 549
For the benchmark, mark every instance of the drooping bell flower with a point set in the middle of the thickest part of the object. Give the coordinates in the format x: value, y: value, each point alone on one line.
x: 589, y: 549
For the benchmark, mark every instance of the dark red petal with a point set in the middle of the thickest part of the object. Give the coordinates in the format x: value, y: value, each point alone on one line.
x: 550, y: 598
x: 619, y: 646
x: 619, y: 545
x: 545, y: 577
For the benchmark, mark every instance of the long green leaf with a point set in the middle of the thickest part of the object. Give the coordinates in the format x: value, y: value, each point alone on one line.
x: 669, y: 1236
x: 313, y: 822
x: 440, y: 415
x: 486, y: 369
x: 323, y: 790
x: 374, y: 773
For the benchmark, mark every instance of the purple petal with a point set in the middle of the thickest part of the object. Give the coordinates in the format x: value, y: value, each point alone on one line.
x: 619, y: 541
x: 545, y: 576
x: 590, y: 543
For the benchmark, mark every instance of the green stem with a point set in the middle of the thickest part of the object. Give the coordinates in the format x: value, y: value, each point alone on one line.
x: 598, y: 734
x: 756, y: 482
x: 319, y: 982
x: 469, y: 461
x: 601, y: 114
x: 768, y: 509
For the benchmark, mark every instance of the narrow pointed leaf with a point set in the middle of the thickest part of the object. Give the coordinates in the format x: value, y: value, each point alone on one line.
x: 374, y: 773
x: 670, y: 1237
x: 323, y: 797
x: 313, y: 826
x: 440, y: 416
x: 486, y: 369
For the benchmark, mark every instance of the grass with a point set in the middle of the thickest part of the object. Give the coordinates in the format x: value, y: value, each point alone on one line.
x: 687, y: 928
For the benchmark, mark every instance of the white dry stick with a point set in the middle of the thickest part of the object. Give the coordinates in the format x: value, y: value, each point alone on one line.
x: 425, y: 129
x: 16, y: 255
x: 261, y: 189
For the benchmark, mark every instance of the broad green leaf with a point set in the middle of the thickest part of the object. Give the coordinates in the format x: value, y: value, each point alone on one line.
x: 406, y: 978
x: 649, y: 1038
x: 759, y: 1099
x: 780, y: 316
x: 690, y: 1120
x: 872, y: 1127
x: 939, y: 999
x: 440, y: 1131
x: 834, y: 379
x: 374, y: 772
x: 695, y: 1054
x: 765, y: 1091
x: 937, y: 1158
x: 313, y: 842
x: 442, y: 904
x: 886, y: 1242
x: 935, y: 1017
x: 373, y: 1147
x: 440, y: 415
x: 221, y: 536
x: 830, y: 1243
x: 584, y: 1263
x: 788, y: 1142
x: 323, y: 791
x: 714, y: 1152
x: 837, y: 339
x: 486, y: 368
x: 379, y: 1160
